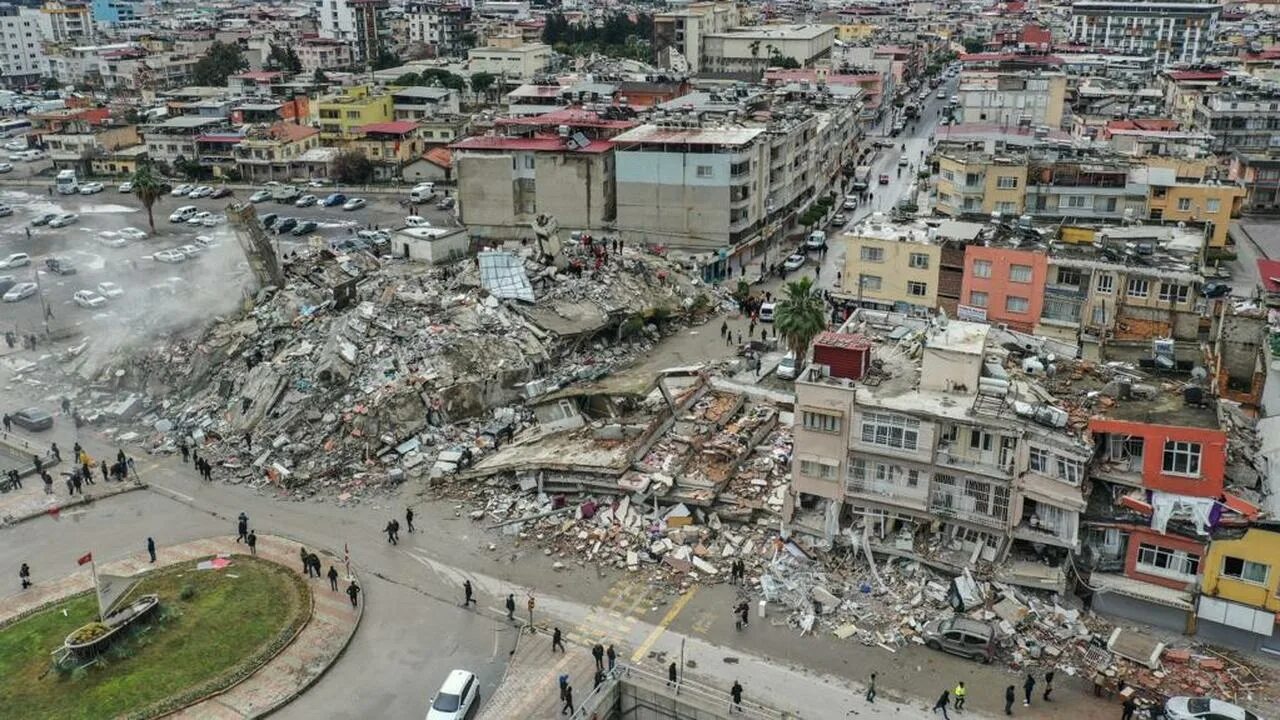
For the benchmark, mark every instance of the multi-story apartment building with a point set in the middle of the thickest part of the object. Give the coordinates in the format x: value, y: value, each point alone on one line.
x: 68, y: 22
x: 979, y: 183
x: 341, y: 114
x: 439, y: 26
x: 22, y: 59
x: 1171, y: 32
x: 910, y: 445
x: 266, y: 154
x: 1259, y: 173
x: 510, y: 58
x: 322, y: 54
x: 1240, y: 119
x: 679, y: 35
x: 389, y: 145
x: 177, y: 138
x: 111, y: 13
x: 357, y: 22
x: 419, y: 103
x: 1012, y: 97
x: 891, y: 267
x: 747, y: 51
x: 1240, y: 586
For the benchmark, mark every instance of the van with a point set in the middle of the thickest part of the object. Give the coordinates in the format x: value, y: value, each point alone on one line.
x: 422, y: 192
x: 183, y: 214
x: 766, y: 312
x: 961, y: 636
x: 414, y: 221
x: 816, y: 240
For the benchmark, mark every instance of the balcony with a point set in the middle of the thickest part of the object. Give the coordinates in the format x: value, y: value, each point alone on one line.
x: 914, y: 497
x: 949, y: 455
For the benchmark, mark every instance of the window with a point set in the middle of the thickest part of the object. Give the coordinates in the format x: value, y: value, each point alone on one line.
x: 869, y: 282
x: 949, y: 175
x: 1163, y: 561
x: 1139, y: 287
x: 1070, y: 470
x: 1184, y: 204
x: 871, y: 254
x: 918, y: 289
x: 1172, y: 292
x: 821, y: 422
x: 920, y: 261
x: 977, y: 299
x: 814, y: 468
x: 913, y: 478
x: 528, y: 162
x: 1099, y: 315
x: 1039, y: 460
x: 1075, y: 201
x: 1006, y: 182
x: 1212, y: 205
x: 1006, y: 208
x: 1182, y: 458
x: 982, y: 268
x: 704, y: 171
x: 1016, y: 304
x: 1245, y: 570
x: 894, y: 431
x: 1068, y: 276
x: 1020, y: 273
x: 1105, y: 283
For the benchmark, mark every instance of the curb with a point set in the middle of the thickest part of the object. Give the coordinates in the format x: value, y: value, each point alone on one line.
x: 10, y: 521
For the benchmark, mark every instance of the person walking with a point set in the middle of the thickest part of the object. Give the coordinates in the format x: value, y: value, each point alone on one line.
x: 242, y: 527
x: 1128, y: 708
x: 252, y: 541
x: 1027, y: 686
x: 742, y: 610
x: 105, y: 477
x: 1010, y: 696
x: 353, y: 592
x: 532, y: 629
x: 314, y: 560
x: 943, y: 700
x: 568, y: 701
x: 597, y: 652
x: 467, y: 597
x: 151, y: 548
x: 1048, y: 685
x: 333, y: 578
x: 511, y: 607
x: 8, y: 422
x: 556, y: 640
x: 24, y: 574
x: 306, y: 561
x: 611, y: 656
x: 959, y: 694
x: 671, y: 675
x: 53, y: 450
x: 735, y: 693
x: 186, y: 452
x: 871, y: 689
x: 408, y: 518
x: 390, y: 530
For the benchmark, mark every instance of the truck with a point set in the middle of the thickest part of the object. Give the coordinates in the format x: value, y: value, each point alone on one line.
x: 66, y: 182
x: 862, y: 177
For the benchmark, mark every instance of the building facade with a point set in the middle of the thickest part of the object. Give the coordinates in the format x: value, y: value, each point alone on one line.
x: 1171, y: 32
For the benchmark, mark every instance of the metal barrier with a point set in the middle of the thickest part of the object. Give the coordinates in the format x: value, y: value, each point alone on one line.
x: 705, y: 698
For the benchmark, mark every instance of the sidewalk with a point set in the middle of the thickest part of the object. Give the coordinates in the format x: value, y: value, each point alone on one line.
x: 320, y: 642
x: 530, y: 688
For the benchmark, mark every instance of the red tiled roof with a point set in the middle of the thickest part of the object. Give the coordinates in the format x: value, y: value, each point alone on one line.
x: 536, y: 143
x: 848, y: 341
x: 1036, y: 35
x: 227, y: 139
x: 291, y: 132
x: 1197, y: 74
x: 440, y: 156
x: 1269, y: 272
x: 1156, y: 124
x: 396, y: 127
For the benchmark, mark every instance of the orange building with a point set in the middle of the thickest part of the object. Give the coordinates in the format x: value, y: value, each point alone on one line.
x: 1003, y: 285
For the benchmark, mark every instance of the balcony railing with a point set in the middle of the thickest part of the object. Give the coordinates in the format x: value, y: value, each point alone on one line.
x: 862, y: 486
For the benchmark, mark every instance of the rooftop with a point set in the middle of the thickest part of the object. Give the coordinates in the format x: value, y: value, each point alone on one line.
x: 879, y: 227
x: 691, y: 136
x: 776, y: 32
x: 571, y: 116
x: 536, y: 143
x: 396, y: 127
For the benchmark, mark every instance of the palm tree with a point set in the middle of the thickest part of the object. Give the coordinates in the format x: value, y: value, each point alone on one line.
x: 800, y: 316
x: 148, y: 188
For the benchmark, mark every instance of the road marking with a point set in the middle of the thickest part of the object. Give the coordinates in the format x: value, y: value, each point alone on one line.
x: 184, y: 496
x: 663, y: 624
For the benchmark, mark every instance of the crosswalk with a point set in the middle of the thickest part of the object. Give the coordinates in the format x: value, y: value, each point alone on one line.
x: 611, y: 621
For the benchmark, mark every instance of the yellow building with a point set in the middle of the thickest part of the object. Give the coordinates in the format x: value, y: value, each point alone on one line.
x: 1170, y: 198
x: 892, y: 267
x: 855, y: 31
x: 1240, y: 591
x: 978, y: 183
x: 342, y: 114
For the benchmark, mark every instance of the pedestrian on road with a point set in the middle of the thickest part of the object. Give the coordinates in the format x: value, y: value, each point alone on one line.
x: 742, y: 610
x: 1027, y: 686
x: 1128, y: 708
x: 724, y: 330
x: 597, y: 652
x: 86, y: 474
x: 24, y: 574
x: 735, y: 692
x: 195, y: 457
x: 36, y: 460
x: 568, y: 701
x: 871, y: 689
x: 306, y: 561
x: 943, y: 700
x: 1010, y: 695
x: 8, y: 423
x: 105, y: 479
x: 75, y: 481
x: 252, y: 540
x: 556, y: 640
x: 390, y: 530
x: 57, y: 456
x: 511, y: 607
x: 671, y: 675
x: 1048, y: 685
x: 353, y: 591
x: 333, y: 578
x: 186, y: 452
x: 467, y: 599
x: 133, y: 470
x: 532, y: 629
x: 408, y: 519
x: 959, y: 694
x: 151, y: 548
x: 611, y: 656
x: 242, y: 527
x: 599, y: 678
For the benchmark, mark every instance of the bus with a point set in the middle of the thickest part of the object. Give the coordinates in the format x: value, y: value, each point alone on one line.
x: 16, y: 126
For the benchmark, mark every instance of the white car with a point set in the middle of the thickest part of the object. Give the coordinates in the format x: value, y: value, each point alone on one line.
x: 260, y: 196
x: 205, y: 241
x: 15, y: 145
x: 91, y: 188
x: 6, y: 167
x: 213, y: 220
x: 64, y: 220
x: 305, y: 201
x: 181, y: 191
x: 788, y: 368
x: 110, y: 290
x: 200, y: 192
x: 416, y: 221
x: 793, y: 262
x: 5, y: 211
x: 21, y: 291
x: 112, y: 240
x: 354, y: 204
x: 183, y: 214
x: 766, y: 312
x: 89, y: 299
x: 132, y: 233
x: 199, y: 218
x: 1203, y: 708
x: 16, y: 260
x: 458, y: 696
x: 170, y: 256
x: 126, y: 186
x: 191, y: 251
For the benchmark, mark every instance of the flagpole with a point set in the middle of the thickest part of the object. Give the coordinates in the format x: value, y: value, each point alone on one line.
x: 93, y: 567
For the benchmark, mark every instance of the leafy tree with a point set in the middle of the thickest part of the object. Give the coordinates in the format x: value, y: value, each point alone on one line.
x: 974, y: 45
x: 352, y: 167
x: 220, y: 62
x: 386, y: 58
x: 50, y: 83
x: 148, y: 188
x: 800, y: 315
x: 407, y: 79
x: 442, y: 78
x: 319, y: 78
x: 482, y: 82
x: 283, y: 58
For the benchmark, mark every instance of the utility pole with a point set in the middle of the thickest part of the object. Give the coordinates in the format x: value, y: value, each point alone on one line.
x: 44, y: 306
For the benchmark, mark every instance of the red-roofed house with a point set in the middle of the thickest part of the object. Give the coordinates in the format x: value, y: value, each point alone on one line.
x: 255, y: 82
x: 266, y: 154
x: 77, y: 138
x: 435, y: 165
x: 1269, y: 281
x: 390, y: 145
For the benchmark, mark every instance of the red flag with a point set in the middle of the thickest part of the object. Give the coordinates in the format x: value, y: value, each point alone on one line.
x: 86, y: 558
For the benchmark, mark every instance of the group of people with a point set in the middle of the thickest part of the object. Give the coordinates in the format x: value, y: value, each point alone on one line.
x: 192, y: 455
x: 955, y: 697
x: 28, y: 340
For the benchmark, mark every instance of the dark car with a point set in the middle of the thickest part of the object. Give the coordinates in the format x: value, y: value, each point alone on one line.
x: 333, y: 200
x: 1216, y: 289
x: 268, y: 220
x: 33, y: 419
x: 44, y: 219
x: 6, y: 282
x: 223, y: 191
x: 60, y: 266
x: 284, y: 225
x: 304, y: 227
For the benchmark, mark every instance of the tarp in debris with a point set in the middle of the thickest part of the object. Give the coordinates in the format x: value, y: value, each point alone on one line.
x: 502, y: 274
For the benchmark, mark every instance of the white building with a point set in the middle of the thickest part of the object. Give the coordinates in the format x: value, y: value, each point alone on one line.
x: 678, y: 35
x: 511, y: 62
x: 358, y: 22
x: 1171, y: 32
x: 22, y: 60
x: 752, y: 49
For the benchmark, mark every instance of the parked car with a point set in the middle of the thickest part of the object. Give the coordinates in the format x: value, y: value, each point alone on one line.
x: 91, y: 188
x: 6, y: 167
x: 260, y: 196
x: 169, y: 256
x: 306, y: 201
x: 416, y: 221
x: 20, y: 291
x: 1215, y: 289
x: 942, y: 94
x: 458, y: 695
x: 788, y: 368
x: 793, y: 262
x: 64, y: 220
x: 284, y: 225
x: 125, y: 187
x: 268, y: 220
x: 112, y: 240
x: 205, y: 242
x: 354, y: 204
x: 32, y: 418
x: 202, y: 191
x: 110, y: 290
x: 816, y: 240
x: 212, y: 220
x: 16, y: 260
x: 221, y: 192
x: 903, y: 161
x: 183, y: 214
x: 1203, y: 708
x: 191, y: 251
x: 839, y: 219
x: 446, y: 203
x: 961, y: 636
x: 5, y: 211
x: 181, y: 190
x: 43, y: 219
x: 132, y: 233
x: 850, y: 202
x: 333, y: 199
x: 766, y: 312
x: 59, y: 266
x: 422, y: 192
x: 89, y: 299
x: 6, y: 283
x: 884, y: 179
x: 305, y: 227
